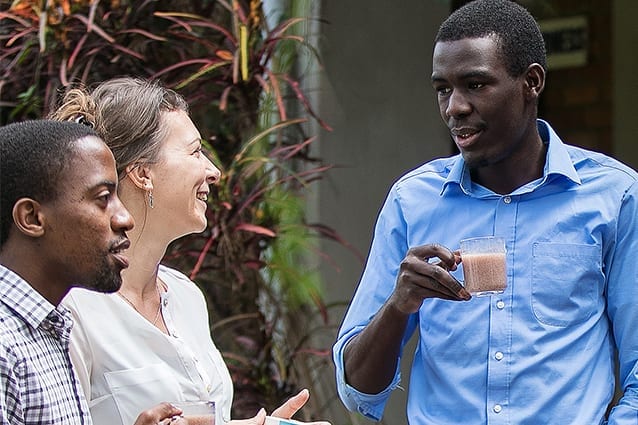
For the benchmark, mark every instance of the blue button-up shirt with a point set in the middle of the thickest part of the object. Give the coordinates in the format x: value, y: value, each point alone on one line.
x: 543, y: 351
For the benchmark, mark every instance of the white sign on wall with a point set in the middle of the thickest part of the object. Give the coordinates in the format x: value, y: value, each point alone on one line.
x: 566, y: 40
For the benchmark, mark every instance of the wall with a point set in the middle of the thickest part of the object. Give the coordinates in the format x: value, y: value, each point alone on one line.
x: 578, y: 100
x: 375, y: 92
x: 625, y: 83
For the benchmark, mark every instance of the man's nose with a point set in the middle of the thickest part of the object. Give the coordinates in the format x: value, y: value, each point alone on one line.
x: 122, y: 220
x: 457, y: 105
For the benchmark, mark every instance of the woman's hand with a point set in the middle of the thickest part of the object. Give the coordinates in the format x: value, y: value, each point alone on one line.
x: 292, y: 405
x: 285, y: 411
x: 258, y: 419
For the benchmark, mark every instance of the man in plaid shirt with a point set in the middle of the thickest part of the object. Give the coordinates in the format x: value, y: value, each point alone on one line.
x: 62, y: 225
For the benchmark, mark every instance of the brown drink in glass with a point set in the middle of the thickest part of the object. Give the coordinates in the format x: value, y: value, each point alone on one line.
x: 483, y: 261
x: 197, y: 412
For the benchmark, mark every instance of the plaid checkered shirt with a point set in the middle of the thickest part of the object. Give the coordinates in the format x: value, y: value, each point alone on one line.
x: 37, y: 382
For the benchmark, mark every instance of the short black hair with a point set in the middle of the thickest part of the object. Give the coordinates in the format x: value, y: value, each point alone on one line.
x: 34, y: 155
x: 519, y: 38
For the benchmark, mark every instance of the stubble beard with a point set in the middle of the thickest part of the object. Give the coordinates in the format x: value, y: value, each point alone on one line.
x: 108, y: 279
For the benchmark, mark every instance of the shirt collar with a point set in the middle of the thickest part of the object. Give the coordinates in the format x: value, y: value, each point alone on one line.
x: 27, y: 303
x: 558, y: 162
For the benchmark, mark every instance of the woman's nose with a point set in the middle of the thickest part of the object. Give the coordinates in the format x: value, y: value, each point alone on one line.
x: 213, y: 174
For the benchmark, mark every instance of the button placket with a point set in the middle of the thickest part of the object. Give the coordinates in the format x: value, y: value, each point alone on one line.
x: 500, y: 340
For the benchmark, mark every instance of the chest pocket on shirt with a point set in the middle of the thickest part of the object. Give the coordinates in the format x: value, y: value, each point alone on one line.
x: 565, y: 282
x: 135, y: 390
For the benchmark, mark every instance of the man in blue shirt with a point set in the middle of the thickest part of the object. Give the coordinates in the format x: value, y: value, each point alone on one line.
x: 543, y: 351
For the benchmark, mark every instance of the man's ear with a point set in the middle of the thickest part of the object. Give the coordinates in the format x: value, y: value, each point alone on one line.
x: 140, y: 175
x: 28, y: 217
x: 534, y: 81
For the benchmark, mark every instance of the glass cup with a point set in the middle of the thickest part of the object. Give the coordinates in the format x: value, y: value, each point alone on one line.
x: 197, y: 412
x: 483, y: 261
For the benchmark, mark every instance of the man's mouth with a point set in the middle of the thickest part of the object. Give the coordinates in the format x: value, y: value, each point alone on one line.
x: 117, y: 250
x: 465, y: 136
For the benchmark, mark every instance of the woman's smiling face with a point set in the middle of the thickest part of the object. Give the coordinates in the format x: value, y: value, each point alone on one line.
x: 182, y: 176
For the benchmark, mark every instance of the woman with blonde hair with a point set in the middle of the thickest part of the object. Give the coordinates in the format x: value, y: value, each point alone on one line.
x: 150, y: 341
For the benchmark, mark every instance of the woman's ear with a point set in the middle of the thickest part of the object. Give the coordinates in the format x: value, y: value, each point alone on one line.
x: 140, y: 175
x: 28, y: 217
x: 534, y: 81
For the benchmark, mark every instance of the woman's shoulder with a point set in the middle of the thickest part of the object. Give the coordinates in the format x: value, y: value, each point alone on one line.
x: 83, y: 296
x: 83, y: 302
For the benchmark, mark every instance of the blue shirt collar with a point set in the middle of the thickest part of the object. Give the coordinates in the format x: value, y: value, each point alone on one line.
x: 557, y: 163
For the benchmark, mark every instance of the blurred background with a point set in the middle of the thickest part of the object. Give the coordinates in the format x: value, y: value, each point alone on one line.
x: 312, y: 109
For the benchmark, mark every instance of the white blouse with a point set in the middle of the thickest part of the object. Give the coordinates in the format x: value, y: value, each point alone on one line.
x: 127, y: 365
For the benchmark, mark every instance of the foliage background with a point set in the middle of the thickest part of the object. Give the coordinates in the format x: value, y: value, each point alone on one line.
x: 242, y: 77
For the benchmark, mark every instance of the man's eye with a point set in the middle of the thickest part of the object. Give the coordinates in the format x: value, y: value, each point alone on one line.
x: 476, y: 85
x: 443, y: 90
x: 104, y: 197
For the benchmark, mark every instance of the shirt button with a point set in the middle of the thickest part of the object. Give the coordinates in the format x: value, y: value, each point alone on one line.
x: 498, y: 355
x: 500, y: 304
x: 165, y: 302
x: 497, y: 408
x: 507, y: 199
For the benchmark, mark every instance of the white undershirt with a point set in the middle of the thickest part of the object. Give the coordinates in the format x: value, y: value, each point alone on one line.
x: 127, y: 365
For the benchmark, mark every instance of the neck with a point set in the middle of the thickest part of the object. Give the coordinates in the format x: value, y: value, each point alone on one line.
x: 141, y: 276
x: 140, y: 285
x: 148, y: 247
x: 41, y: 276
x: 521, y: 166
x: 149, y: 241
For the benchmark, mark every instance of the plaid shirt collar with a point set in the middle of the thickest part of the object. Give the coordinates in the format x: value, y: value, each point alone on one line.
x: 32, y: 307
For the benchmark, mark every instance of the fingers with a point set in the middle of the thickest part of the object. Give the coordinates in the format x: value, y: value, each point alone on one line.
x: 258, y: 419
x: 447, y: 259
x: 292, y: 405
x: 424, y: 273
x: 175, y: 420
x: 271, y: 420
x: 157, y: 414
x: 433, y: 282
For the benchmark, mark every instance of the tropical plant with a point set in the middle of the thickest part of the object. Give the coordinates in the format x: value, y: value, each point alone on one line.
x: 238, y: 73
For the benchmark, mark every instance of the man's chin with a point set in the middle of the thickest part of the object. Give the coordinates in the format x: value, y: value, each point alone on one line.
x: 473, y: 161
x: 107, y: 283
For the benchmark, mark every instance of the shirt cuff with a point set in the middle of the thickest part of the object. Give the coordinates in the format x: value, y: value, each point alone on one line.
x: 369, y: 405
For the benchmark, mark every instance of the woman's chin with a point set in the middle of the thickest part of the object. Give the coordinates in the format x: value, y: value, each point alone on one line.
x: 201, y: 227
